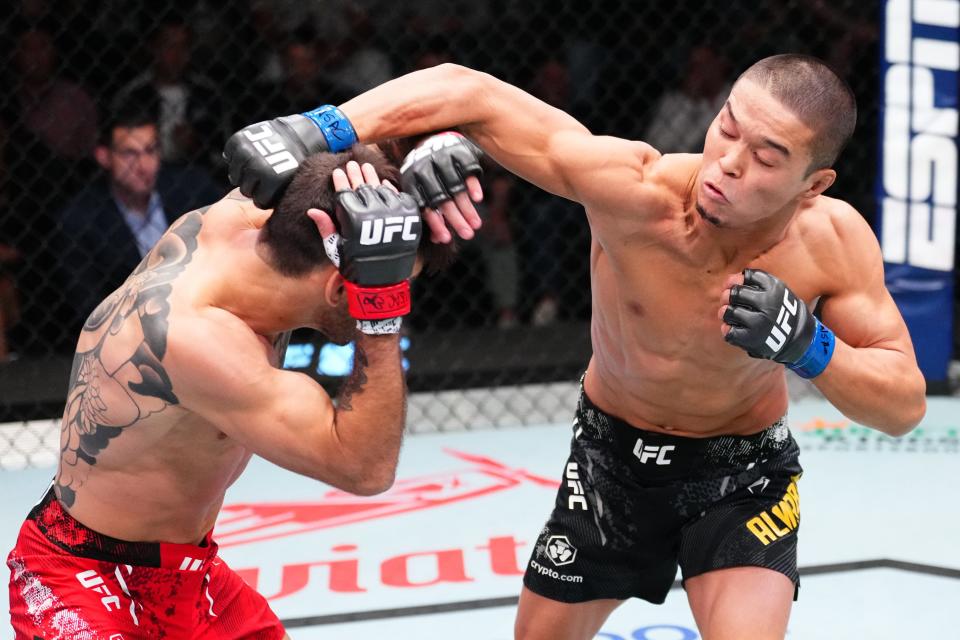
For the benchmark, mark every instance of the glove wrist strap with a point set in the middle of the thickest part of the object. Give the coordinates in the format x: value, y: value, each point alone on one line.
x: 386, y: 327
x: 378, y: 303
x: 334, y: 126
x: 815, y: 359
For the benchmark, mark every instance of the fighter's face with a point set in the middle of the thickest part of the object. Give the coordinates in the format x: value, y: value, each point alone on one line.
x: 755, y: 160
x: 133, y: 159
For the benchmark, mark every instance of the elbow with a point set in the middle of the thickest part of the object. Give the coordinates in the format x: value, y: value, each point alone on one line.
x: 360, y: 483
x: 468, y: 86
x: 912, y: 410
x: 370, y: 477
x: 453, y: 73
x: 371, y: 484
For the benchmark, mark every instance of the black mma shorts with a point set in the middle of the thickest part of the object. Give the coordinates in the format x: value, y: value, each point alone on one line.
x: 633, y: 505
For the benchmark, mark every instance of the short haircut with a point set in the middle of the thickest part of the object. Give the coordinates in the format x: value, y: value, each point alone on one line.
x: 138, y: 111
x: 295, y: 246
x: 816, y: 95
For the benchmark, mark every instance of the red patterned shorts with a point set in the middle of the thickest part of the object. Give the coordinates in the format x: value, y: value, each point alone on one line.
x: 69, y: 582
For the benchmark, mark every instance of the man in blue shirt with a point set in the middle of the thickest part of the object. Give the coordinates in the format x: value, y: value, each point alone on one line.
x: 109, y: 226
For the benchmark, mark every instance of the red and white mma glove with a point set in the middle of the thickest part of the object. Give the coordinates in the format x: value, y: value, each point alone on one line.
x: 375, y: 250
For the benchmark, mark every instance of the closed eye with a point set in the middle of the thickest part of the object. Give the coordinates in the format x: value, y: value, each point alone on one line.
x: 760, y: 160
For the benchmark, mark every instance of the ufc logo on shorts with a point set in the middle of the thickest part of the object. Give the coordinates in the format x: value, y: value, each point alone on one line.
x: 781, y: 330
x: 272, y: 151
x: 382, y: 230
x: 652, y: 452
x: 573, y: 483
x: 90, y: 579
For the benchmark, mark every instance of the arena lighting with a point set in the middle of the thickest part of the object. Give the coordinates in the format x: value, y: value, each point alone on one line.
x: 334, y: 360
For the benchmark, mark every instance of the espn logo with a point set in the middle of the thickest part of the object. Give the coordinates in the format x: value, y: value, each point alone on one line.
x: 382, y: 230
x: 781, y: 330
x: 652, y: 452
x: 272, y: 151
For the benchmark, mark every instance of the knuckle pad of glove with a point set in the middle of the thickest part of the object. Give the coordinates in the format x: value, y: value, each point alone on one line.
x: 737, y: 316
x: 746, y: 297
x: 431, y: 183
x: 448, y: 169
x: 367, y: 195
x: 758, y: 279
x: 409, y: 186
x: 735, y: 336
x: 409, y: 205
x: 388, y: 197
x: 349, y: 200
x: 467, y: 162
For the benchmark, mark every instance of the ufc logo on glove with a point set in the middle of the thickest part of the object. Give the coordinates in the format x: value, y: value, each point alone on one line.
x: 273, y: 151
x: 781, y: 330
x: 382, y: 230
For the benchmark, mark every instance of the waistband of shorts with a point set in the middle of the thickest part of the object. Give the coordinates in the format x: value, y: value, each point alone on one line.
x: 652, y: 449
x: 77, y: 539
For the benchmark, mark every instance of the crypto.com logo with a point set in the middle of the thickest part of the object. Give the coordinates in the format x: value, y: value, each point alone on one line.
x: 560, y: 551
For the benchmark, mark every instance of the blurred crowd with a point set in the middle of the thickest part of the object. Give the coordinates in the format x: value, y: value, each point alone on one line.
x: 115, y: 112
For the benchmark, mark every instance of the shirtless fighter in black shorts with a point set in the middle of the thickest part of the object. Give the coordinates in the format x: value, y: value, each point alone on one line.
x: 705, y: 272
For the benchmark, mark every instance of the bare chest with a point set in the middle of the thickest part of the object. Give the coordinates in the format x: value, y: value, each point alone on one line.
x: 663, y: 304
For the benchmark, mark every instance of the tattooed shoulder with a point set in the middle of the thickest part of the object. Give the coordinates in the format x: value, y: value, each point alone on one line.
x: 121, y: 379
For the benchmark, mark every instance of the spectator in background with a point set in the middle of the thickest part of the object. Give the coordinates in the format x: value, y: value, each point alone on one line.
x: 9, y: 305
x: 192, y: 121
x: 552, y: 227
x: 363, y: 64
x: 48, y: 128
x: 268, y: 39
x: 497, y: 247
x: 58, y: 112
x: 495, y: 243
x: 305, y: 82
x: 682, y: 115
x: 111, y: 224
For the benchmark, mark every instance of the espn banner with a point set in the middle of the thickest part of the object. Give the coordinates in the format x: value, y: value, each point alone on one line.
x: 917, y: 186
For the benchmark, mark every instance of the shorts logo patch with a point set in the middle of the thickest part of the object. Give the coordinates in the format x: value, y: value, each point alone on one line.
x: 787, y: 513
x: 652, y: 452
x: 90, y: 579
x: 577, y: 498
x: 560, y: 551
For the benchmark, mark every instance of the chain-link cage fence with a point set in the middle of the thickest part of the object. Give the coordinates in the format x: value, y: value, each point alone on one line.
x: 509, y: 321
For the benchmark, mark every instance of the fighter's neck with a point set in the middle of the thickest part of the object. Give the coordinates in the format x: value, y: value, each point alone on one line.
x: 734, y: 245
x: 266, y: 300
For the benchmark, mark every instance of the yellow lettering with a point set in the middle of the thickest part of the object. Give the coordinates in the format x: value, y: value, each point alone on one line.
x: 784, y: 511
x: 794, y: 493
x: 777, y: 530
x: 757, y: 527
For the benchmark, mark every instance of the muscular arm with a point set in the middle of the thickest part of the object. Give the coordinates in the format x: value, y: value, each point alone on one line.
x: 286, y: 417
x: 536, y: 141
x: 873, y: 376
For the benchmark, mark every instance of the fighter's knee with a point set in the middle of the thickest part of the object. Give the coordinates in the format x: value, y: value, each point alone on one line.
x: 522, y: 629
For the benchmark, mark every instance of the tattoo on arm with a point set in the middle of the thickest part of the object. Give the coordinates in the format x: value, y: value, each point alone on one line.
x: 356, y: 381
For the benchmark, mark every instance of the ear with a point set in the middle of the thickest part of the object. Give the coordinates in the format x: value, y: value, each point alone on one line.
x: 102, y: 155
x: 333, y: 287
x: 818, y: 182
